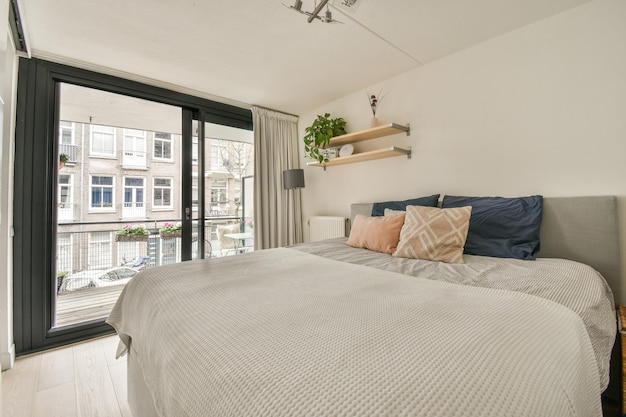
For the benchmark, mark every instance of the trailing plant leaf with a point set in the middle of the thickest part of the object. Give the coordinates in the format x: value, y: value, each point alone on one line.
x: 320, y: 132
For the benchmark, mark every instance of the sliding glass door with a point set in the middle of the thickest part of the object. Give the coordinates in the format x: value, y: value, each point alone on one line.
x: 228, y: 160
x: 111, y: 177
x: 118, y: 189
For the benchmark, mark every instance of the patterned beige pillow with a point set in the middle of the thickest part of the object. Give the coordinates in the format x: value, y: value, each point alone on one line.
x: 434, y: 234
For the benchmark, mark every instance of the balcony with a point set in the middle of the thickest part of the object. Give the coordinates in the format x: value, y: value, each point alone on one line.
x: 134, y: 210
x: 92, y: 267
x: 132, y: 159
x: 65, y: 212
x: 71, y: 151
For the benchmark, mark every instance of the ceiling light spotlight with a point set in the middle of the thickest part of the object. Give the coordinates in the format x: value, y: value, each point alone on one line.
x: 328, y: 17
x: 316, y: 11
x: 315, y: 14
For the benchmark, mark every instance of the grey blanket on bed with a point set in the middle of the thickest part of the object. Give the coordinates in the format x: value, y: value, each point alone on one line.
x: 571, y: 284
x: 284, y: 333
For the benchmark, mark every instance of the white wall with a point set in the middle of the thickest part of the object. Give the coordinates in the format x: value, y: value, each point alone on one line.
x: 541, y: 110
x: 8, y: 80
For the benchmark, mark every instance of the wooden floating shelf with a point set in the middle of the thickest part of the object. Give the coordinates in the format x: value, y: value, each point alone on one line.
x: 367, y: 134
x: 364, y: 156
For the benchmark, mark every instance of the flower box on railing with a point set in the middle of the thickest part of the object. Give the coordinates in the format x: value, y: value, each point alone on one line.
x: 171, y: 230
x: 171, y: 235
x: 131, y: 237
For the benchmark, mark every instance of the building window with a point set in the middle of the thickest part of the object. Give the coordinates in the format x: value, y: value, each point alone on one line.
x: 162, y: 193
x: 133, y: 192
x: 162, y: 145
x: 100, y: 254
x: 134, y: 153
x: 134, y: 198
x: 219, y: 154
x: 65, y: 212
x: 65, y: 191
x: 102, y: 140
x: 66, y: 141
x: 102, y: 191
x: 219, y: 196
x: 66, y: 133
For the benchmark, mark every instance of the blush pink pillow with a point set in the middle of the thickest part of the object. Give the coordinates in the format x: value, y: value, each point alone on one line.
x: 380, y: 234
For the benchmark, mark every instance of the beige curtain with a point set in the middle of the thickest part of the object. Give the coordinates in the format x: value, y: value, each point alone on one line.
x: 277, y: 212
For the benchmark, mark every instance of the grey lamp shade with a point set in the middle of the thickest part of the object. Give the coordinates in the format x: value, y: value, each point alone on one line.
x: 293, y: 178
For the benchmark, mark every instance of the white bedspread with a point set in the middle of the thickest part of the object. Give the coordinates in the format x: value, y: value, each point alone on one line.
x: 285, y: 333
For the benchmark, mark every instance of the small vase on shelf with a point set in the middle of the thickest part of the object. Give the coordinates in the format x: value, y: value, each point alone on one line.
x: 374, y: 106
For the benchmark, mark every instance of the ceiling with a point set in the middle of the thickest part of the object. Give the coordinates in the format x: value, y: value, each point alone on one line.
x: 260, y: 52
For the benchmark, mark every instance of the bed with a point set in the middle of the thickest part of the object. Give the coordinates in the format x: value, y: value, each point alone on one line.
x: 326, y: 329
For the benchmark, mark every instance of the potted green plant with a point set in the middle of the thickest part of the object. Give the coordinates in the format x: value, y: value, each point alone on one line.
x: 318, y: 135
x: 60, y: 277
x: 63, y: 158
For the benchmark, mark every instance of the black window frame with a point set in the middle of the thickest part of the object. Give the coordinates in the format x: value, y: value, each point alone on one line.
x: 35, y: 183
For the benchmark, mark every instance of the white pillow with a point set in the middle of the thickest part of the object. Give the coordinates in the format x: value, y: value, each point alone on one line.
x: 392, y: 212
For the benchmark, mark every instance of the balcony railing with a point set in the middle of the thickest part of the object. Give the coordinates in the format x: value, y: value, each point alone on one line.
x: 134, y: 159
x: 69, y: 150
x: 93, y: 266
x: 80, y: 252
x: 65, y: 212
x: 134, y: 210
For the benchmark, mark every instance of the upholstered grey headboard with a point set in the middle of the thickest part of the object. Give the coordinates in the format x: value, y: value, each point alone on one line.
x: 582, y: 229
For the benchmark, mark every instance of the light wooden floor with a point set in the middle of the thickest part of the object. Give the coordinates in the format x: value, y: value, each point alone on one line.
x: 83, y: 380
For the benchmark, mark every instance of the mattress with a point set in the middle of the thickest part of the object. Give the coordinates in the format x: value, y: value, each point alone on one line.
x: 284, y: 332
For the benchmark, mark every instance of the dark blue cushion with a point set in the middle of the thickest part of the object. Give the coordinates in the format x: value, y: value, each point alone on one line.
x: 502, y: 227
x: 379, y: 208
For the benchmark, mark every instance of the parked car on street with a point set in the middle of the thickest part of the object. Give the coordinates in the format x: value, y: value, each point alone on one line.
x: 118, y: 275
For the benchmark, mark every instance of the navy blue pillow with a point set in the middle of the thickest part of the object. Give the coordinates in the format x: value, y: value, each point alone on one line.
x: 379, y: 208
x: 502, y: 227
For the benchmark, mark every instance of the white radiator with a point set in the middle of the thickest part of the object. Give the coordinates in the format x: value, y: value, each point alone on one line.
x: 326, y: 227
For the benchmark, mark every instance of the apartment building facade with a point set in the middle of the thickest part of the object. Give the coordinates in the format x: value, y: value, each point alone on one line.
x: 116, y: 176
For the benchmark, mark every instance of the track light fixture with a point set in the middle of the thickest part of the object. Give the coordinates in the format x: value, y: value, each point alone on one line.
x: 327, y: 17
